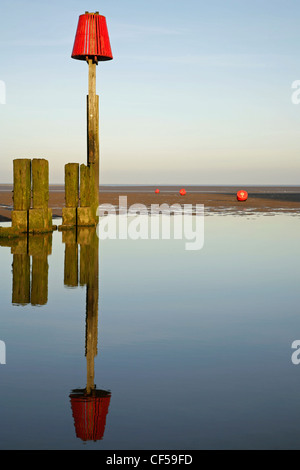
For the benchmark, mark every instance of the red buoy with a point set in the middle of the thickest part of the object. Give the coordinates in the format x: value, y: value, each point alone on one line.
x: 242, y: 195
x: 157, y: 191
x: 182, y: 192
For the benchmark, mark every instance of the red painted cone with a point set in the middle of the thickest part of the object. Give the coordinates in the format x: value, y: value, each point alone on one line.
x: 242, y: 195
x: 89, y: 413
x: 92, y: 38
x: 182, y: 192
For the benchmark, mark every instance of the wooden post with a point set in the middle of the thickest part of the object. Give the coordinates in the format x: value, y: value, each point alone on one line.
x: 71, y: 259
x: 40, y: 183
x: 22, y: 184
x: 72, y: 184
x: 21, y: 194
x: 93, y: 124
x: 86, y: 213
x: 69, y: 213
x: 97, y: 162
x: 40, y: 216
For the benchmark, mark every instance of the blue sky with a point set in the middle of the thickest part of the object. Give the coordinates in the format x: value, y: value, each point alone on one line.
x: 198, y: 92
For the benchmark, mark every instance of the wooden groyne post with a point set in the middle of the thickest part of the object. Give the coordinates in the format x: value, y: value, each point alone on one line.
x: 30, y: 213
x: 91, y: 45
x: 81, y: 197
x: 21, y: 194
x: 40, y: 216
x: 69, y: 212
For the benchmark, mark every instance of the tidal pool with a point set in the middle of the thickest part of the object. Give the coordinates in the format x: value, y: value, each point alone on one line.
x: 141, y: 344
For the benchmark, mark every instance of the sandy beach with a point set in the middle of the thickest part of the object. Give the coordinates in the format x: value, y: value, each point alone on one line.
x: 216, y: 199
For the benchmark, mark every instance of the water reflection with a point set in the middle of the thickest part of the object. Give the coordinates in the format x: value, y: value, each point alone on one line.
x: 89, y: 405
x: 30, y: 286
x: 30, y: 280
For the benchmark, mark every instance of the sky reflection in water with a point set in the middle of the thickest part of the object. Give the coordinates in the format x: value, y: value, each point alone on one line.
x: 186, y: 349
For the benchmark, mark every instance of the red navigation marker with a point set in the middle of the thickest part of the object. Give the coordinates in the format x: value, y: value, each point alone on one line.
x: 92, y: 39
x: 242, y: 195
x: 182, y: 192
x: 90, y: 413
x: 157, y: 191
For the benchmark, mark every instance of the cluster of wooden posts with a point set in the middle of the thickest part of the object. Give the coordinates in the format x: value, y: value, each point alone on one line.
x: 30, y: 265
x: 31, y: 196
x: 30, y: 269
x: 81, y: 196
x: 30, y: 272
x: 31, y: 212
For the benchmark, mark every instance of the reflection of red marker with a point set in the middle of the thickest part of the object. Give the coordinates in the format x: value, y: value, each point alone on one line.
x: 182, y: 192
x: 157, y: 191
x: 242, y: 195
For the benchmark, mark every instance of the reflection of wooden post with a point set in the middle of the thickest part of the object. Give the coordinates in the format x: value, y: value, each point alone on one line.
x: 36, y: 292
x: 71, y: 259
x: 39, y: 249
x: 90, y: 405
x: 92, y: 296
x: 39, y: 285
x: 21, y: 279
x: 89, y: 268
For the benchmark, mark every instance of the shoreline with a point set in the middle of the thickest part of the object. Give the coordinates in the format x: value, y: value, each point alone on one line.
x: 216, y: 199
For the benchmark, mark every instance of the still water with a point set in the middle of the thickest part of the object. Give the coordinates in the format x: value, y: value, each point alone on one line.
x: 123, y: 344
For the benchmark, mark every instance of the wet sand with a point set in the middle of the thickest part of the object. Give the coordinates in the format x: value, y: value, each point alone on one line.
x: 216, y: 199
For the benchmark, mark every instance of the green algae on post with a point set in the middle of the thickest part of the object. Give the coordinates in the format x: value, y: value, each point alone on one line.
x: 22, y: 184
x: 40, y: 183
x: 72, y: 184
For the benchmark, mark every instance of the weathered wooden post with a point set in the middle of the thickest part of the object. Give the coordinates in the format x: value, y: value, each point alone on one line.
x: 40, y: 183
x: 21, y: 193
x: 86, y: 213
x: 69, y: 213
x: 92, y: 45
x: 40, y: 216
x: 31, y: 213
